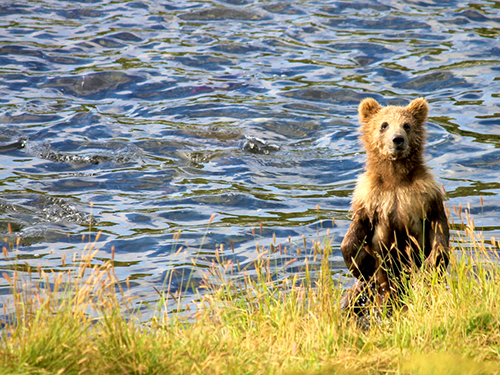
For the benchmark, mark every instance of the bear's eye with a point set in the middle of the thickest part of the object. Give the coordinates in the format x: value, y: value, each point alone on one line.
x: 384, y: 126
x: 406, y: 127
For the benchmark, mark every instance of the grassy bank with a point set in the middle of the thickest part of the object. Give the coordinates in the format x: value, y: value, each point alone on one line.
x: 259, y: 327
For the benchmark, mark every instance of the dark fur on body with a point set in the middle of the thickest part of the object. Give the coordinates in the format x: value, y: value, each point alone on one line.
x: 399, y: 221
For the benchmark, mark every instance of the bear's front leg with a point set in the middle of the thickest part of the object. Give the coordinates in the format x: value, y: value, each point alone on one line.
x: 359, y: 262
x: 439, y: 237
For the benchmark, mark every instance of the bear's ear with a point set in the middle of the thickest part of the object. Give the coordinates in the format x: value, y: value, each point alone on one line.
x: 419, y: 109
x: 367, y: 108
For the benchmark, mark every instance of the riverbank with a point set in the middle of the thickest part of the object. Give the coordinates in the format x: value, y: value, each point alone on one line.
x: 258, y: 326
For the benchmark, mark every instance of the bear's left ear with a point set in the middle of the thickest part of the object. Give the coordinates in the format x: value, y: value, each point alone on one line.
x: 419, y: 109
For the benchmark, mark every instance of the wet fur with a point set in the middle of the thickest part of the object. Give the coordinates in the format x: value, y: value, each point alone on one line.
x: 399, y: 221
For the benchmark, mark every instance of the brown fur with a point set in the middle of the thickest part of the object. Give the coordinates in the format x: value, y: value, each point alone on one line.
x: 399, y: 220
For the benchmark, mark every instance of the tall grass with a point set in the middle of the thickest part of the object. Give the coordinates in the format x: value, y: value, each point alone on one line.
x: 74, y: 323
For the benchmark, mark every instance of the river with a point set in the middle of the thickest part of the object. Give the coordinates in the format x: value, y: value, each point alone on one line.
x: 187, y: 130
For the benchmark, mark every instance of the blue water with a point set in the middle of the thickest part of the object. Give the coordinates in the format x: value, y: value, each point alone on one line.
x: 141, y: 119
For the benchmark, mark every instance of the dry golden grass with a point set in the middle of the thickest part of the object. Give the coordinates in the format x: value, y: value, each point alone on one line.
x: 448, y: 326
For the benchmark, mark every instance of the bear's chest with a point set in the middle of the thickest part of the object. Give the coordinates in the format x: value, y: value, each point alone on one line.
x: 402, y: 206
x: 398, y: 219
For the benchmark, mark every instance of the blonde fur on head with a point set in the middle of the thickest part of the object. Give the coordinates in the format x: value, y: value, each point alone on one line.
x: 380, y: 126
x: 369, y: 107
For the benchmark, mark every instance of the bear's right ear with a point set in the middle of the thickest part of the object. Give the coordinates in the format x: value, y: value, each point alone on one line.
x: 367, y: 108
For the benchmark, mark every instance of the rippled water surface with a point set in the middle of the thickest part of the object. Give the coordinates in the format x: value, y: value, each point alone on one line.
x: 144, y: 118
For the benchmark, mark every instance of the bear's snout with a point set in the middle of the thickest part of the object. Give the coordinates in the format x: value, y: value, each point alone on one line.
x: 398, y: 141
x: 396, y: 144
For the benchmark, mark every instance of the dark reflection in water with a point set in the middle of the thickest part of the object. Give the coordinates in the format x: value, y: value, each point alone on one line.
x: 144, y: 118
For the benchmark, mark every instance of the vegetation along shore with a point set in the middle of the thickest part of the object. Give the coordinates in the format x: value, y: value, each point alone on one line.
x: 83, y: 324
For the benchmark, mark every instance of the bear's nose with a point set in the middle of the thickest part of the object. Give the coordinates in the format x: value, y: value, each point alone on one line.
x: 398, y: 141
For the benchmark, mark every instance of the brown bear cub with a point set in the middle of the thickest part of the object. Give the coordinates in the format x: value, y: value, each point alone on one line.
x: 399, y: 221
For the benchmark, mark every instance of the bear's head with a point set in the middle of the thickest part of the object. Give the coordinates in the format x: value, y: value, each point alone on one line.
x: 392, y: 132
